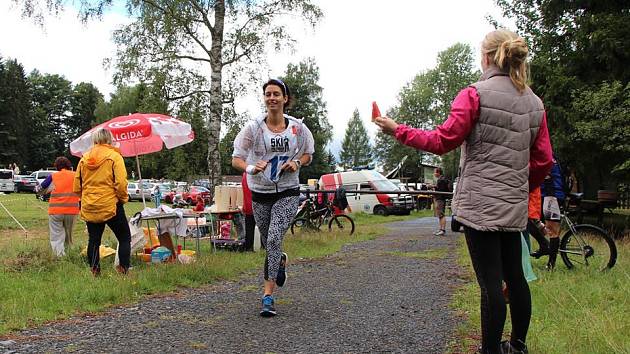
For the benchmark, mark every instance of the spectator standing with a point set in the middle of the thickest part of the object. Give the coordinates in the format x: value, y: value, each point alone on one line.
x: 553, y: 194
x: 502, y: 127
x: 101, y: 181
x: 439, y: 201
x: 63, y: 206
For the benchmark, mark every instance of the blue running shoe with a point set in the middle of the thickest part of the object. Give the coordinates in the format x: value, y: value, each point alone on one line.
x: 281, y: 278
x: 267, y: 307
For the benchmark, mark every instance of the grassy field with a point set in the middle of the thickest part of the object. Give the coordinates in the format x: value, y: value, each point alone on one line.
x: 37, y: 288
x: 572, y: 311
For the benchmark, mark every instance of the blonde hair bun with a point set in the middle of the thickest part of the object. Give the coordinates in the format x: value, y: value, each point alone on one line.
x: 509, y: 52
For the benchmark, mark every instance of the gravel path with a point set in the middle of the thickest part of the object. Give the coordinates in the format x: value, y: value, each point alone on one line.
x: 379, y: 296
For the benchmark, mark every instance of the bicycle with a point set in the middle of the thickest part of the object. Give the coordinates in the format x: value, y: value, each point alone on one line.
x: 585, y: 244
x: 310, y: 218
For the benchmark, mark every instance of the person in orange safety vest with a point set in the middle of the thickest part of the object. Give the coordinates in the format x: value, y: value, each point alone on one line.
x: 63, y: 206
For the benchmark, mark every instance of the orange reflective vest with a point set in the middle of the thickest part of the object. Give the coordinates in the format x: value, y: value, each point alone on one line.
x: 62, y: 199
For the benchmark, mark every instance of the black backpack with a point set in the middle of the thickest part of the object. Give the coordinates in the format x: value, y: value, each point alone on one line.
x: 340, y: 201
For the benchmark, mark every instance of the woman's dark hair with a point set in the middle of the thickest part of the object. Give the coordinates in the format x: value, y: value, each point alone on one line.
x: 283, y: 87
x: 61, y: 163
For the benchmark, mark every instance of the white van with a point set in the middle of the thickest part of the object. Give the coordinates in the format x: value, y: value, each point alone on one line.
x: 7, y: 184
x: 41, y: 175
x: 368, y: 180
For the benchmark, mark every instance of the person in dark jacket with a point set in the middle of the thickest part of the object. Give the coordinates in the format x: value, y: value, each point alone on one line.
x: 439, y: 201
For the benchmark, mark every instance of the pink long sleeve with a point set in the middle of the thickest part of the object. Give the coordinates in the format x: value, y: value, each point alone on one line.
x: 540, y: 156
x: 446, y: 137
x: 463, y: 116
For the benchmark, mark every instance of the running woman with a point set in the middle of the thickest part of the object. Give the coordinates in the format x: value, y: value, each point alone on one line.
x: 271, y: 149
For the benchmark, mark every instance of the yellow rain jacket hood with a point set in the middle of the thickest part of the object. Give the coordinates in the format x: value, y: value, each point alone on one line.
x: 101, y: 181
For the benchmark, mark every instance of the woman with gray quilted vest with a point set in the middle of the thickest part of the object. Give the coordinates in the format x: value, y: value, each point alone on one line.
x: 501, y: 126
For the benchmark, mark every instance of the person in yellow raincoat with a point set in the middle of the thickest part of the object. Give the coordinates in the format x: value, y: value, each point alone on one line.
x: 101, y: 181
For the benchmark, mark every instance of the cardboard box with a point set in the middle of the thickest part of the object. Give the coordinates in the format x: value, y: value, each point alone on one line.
x: 222, y: 198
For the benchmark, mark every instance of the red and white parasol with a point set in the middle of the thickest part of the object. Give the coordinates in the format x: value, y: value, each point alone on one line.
x: 139, y: 134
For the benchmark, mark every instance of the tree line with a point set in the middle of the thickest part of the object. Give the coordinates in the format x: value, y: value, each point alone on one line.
x: 40, y: 114
x: 579, y: 53
x: 210, y: 51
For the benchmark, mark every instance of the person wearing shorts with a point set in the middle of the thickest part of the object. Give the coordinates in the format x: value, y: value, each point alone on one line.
x: 439, y: 201
x: 553, y: 196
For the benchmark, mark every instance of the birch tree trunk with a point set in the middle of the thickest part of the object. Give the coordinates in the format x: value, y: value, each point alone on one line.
x: 216, y: 99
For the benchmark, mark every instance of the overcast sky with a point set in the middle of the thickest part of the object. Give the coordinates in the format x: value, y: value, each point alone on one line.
x: 365, y: 51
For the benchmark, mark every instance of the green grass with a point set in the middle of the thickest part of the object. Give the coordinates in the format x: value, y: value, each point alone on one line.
x: 572, y: 311
x: 37, y: 288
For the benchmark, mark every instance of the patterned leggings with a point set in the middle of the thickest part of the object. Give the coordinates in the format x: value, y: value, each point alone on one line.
x: 273, y: 220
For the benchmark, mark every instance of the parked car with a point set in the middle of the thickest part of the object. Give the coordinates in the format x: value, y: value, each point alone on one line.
x: 25, y: 183
x: 7, y: 183
x: 191, y: 195
x: 135, y: 193
x: 41, y: 175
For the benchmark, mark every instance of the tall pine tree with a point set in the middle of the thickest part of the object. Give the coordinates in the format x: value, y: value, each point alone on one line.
x: 308, y: 104
x: 356, y: 149
x: 15, y: 113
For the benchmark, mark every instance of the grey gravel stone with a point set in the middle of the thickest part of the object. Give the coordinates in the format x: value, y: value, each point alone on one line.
x: 372, y: 297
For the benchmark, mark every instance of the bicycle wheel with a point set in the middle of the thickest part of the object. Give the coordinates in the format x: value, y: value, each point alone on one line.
x: 302, y: 225
x: 590, y: 247
x: 341, y: 223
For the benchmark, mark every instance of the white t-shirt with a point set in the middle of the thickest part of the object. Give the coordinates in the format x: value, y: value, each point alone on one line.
x: 256, y: 142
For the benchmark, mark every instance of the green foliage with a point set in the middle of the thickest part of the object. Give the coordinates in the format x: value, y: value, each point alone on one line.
x: 308, y: 104
x: 189, y: 160
x: 234, y: 125
x: 51, y: 101
x: 356, y: 149
x: 188, y: 46
x: 15, y: 113
x: 578, y: 49
x: 601, y: 124
x: 424, y: 103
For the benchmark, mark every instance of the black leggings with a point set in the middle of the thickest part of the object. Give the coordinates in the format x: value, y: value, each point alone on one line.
x: 496, y: 256
x: 120, y: 227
